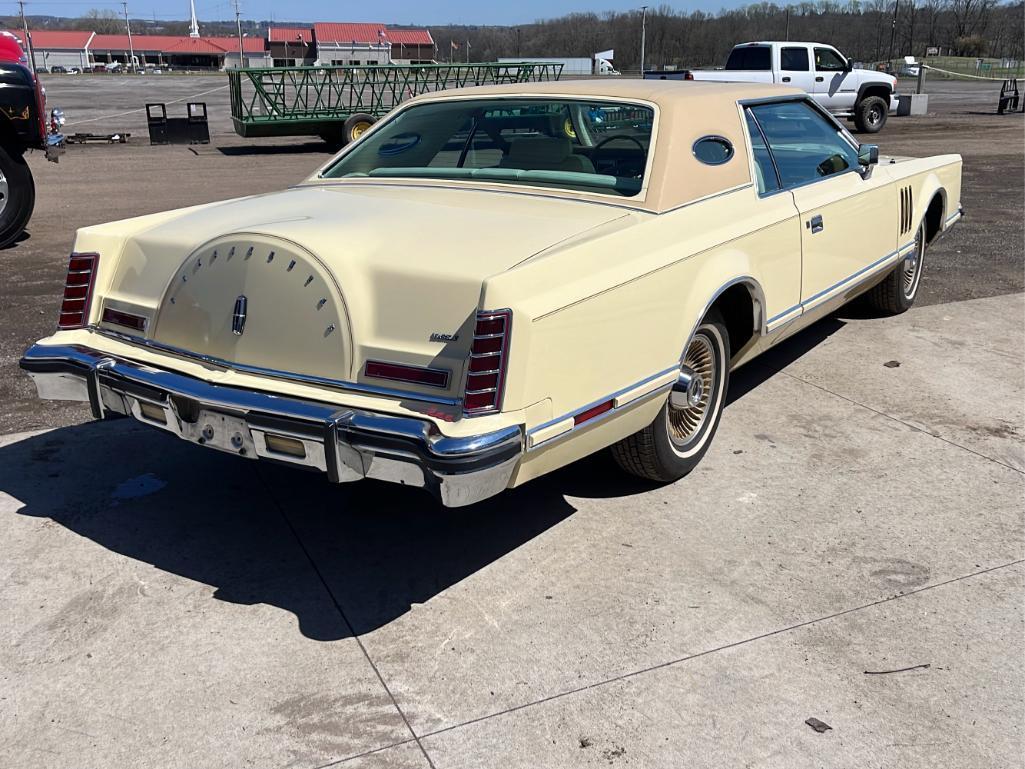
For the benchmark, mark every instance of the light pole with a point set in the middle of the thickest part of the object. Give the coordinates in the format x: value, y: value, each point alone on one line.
x: 241, y: 45
x: 644, y: 17
x: 131, y: 48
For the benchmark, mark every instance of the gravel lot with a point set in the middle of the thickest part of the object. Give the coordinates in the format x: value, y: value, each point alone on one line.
x: 851, y: 549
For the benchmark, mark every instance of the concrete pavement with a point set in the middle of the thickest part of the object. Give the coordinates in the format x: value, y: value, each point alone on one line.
x: 860, y: 510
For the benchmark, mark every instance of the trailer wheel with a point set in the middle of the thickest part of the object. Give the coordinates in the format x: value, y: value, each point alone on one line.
x: 356, y: 125
x: 17, y: 196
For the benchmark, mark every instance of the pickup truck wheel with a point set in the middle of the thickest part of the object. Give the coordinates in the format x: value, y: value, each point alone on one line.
x: 897, y: 292
x: 673, y: 444
x: 870, y: 114
x: 17, y: 196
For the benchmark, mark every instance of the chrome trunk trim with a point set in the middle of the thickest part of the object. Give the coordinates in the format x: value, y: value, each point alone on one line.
x: 290, y: 376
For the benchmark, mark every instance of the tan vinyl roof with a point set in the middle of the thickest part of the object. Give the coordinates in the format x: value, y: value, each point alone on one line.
x: 662, y: 92
x: 688, y: 110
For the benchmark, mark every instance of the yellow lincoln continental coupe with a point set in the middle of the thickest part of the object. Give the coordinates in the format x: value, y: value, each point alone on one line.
x: 494, y: 282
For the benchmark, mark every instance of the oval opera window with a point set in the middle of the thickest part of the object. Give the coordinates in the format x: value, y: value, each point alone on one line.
x: 713, y: 150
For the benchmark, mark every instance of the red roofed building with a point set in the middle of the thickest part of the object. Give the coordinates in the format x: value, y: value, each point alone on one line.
x: 53, y: 48
x: 412, y: 46
x: 291, y: 46
x: 178, y: 51
x: 344, y: 44
x: 352, y: 45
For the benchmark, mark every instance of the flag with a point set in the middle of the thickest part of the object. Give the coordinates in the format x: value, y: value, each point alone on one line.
x: 455, y: 45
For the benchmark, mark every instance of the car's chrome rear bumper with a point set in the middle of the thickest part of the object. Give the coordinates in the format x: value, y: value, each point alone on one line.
x: 347, y: 444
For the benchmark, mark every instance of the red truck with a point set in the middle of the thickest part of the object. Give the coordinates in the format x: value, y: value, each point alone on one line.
x: 22, y: 127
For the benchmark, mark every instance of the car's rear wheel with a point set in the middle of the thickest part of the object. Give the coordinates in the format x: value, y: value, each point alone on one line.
x: 17, y: 196
x: 673, y: 444
x: 870, y: 114
x: 897, y: 291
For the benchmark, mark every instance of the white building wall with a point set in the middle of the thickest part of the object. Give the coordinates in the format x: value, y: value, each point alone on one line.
x: 53, y: 58
x: 260, y: 59
x: 343, y: 54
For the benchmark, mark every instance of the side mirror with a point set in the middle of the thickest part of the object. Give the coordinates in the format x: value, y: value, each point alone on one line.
x: 868, y: 156
x: 848, y: 65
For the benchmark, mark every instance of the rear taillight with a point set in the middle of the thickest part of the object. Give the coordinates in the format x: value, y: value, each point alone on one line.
x: 688, y: 76
x: 431, y: 377
x: 78, y: 290
x: 489, y: 353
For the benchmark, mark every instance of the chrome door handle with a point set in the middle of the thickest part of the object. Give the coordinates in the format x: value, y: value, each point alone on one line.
x: 815, y: 224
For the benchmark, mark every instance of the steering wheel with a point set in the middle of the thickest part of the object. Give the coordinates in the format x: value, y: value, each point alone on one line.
x: 608, y: 140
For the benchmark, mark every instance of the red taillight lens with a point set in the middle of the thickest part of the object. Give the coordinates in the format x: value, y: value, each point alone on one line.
x: 78, y: 290
x: 126, y: 319
x: 485, y: 377
x: 689, y: 76
x: 432, y: 377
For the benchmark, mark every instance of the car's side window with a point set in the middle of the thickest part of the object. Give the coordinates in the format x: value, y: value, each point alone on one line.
x: 805, y: 146
x: 765, y: 171
x: 828, y: 60
x: 793, y: 59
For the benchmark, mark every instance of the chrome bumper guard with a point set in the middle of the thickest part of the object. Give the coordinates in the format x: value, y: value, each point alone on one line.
x: 348, y: 444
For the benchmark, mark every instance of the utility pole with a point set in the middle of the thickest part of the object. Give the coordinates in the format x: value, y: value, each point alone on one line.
x: 893, y: 28
x: 131, y: 49
x: 644, y: 16
x: 241, y: 46
x: 787, y: 37
x: 28, y: 38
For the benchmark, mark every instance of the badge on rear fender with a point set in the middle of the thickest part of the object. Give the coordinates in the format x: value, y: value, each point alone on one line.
x: 436, y: 337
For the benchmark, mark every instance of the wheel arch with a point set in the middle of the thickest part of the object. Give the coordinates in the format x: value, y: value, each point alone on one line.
x: 874, y: 89
x: 934, y: 195
x: 741, y: 303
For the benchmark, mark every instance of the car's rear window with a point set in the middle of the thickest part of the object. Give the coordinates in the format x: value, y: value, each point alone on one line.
x: 757, y: 57
x: 590, y: 146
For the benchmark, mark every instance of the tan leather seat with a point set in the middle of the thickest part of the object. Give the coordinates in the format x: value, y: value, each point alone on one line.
x: 545, y: 153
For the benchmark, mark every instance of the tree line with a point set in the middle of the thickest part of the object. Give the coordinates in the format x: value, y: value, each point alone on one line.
x: 867, y: 31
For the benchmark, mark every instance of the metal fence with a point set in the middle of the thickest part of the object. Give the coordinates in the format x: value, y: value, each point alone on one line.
x: 311, y: 101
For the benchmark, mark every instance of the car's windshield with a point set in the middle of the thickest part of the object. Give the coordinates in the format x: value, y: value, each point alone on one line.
x: 590, y: 146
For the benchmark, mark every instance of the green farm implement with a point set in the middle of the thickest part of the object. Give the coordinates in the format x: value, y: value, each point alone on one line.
x: 340, y: 103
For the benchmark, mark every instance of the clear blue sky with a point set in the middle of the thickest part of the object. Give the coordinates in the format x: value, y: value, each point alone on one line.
x: 388, y: 11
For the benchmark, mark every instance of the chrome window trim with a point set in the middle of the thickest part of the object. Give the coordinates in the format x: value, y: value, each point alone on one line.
x: 779, y: 180
x: 633, y: 201
x: 290, y: 376
x: 715, y: 138
x: 844, y: 134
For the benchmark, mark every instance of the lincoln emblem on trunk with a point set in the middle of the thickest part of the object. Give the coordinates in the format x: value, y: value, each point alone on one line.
x: 238, y: 317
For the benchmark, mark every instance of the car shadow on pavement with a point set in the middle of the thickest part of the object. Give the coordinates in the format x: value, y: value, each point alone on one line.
x: 344, y: 559
x: 775, y: 359
x: 263, y: 534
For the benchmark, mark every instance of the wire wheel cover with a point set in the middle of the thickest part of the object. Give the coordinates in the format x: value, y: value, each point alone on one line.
x: 912, y: 271
x: 685, y: 423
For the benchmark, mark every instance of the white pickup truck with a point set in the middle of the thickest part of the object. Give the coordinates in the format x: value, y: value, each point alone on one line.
x: 861, y: 95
